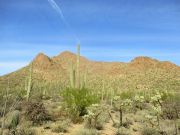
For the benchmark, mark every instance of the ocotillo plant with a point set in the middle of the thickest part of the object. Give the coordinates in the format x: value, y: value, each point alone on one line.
x: 29, y: 83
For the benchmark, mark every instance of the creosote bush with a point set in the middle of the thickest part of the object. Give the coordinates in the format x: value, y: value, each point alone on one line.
x: 36, y: 112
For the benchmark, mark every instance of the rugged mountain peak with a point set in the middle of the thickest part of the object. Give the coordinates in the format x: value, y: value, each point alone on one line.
x: 66, y: 57
x: 41, y: 57
x: 143, y: 59
x: 66, y: 54
x: 143, y: 62
x: 168, y: 65
x: 42, y: 60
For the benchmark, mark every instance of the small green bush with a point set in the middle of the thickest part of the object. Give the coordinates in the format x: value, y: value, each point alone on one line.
x: 127, y: 94
x: 77, y: 101
x: 86, y: 131
x: 150, y: 131
x: 12, y: 119
x: 171, y: 107
x: 25, y: 131
x: 61, y: 126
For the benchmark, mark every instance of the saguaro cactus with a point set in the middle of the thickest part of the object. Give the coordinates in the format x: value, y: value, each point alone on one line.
x: 72, y: 76
x: 84, y: 79
x: 76, y: 79
x: 29, y: 83
x: 77, y: 66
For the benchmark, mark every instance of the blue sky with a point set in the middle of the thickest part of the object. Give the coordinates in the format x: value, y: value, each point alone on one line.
x: 109, y: 30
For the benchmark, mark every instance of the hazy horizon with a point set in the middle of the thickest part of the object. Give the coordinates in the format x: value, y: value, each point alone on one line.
x: 112, y: 30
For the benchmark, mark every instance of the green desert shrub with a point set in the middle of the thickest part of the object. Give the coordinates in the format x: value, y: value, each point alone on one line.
x: 127, y: 94
x: 23, y: 130
x: 5, y: 132
x: 86, y: 131
x: 77, y: 101
x: 12, y: 119
x: 150, y: 131
x: 61, y: 126
x: 36, y: 112
x: 171, y: 107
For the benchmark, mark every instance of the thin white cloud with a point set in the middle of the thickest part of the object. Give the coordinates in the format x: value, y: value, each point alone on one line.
x: 58, y: 10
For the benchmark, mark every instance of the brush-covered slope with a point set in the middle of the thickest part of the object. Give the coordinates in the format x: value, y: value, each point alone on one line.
x: 142, y: 73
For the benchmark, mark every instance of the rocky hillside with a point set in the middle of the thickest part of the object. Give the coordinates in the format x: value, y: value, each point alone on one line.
x: 141, y: 73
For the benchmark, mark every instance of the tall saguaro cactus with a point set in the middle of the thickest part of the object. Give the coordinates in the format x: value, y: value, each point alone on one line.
x: 77, y: 66
x: 76, y: 80
x: 29, y: 83
x: 72, y: 76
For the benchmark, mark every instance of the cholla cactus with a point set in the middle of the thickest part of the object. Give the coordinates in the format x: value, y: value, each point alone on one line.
x: 118, y: 103
x: 93, y: 113
x: 121, y: 105
x: 139, y: 98
x: 116, y: 98
x: 139, y: 101
x: 154, y: 116
x: 151, y: 120
x: 156, y: 99
x: 156, y: 109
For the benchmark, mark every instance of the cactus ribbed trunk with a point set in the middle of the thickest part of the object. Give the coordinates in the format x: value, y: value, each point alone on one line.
x: 85, y: 77
x: 72, y: 76
x: 29, y: 85
x: 76, y: 80
x: 78, y: 65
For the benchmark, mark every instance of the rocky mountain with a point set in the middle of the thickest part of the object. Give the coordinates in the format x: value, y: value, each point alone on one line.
x: 141, y: 71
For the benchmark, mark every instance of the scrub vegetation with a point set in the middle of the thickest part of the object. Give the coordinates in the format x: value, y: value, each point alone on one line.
x: 71, y: 95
